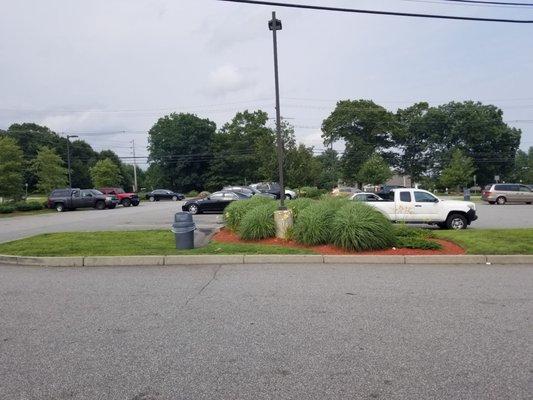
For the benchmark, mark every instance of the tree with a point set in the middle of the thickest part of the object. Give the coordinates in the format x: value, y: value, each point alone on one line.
x: 11, y: 165
x: 459, y: 172
x: 180, y: 144
x: 105, y: 173
x: 375, y: 170
x: 329, y: 174
x: 523, y: 168
x: 301, y: 167
x: 365, y: 127
x: 49, y: 169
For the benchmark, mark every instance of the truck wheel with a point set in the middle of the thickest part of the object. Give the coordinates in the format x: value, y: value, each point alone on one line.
x: 456, y: 221
x: 288, y: 196
x: 126, y: 202
x: 501, y: 200
x: 100, y: 205
x: 60, y: 207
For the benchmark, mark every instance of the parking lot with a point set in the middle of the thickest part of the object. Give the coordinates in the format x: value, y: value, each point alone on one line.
x: 159, y: 215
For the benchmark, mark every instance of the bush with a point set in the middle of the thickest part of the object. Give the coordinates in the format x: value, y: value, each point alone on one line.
x: 7, y: 209
x: 313, y: 225
x: 192, y: 193
x: 360, y: 227
x: 310, y: 192
x: 28, y: 206
x: 234, y: 213
x: 402, y: 230
x: 258, y: 223
x: 204, y: 194
x: 417, y: 243
x: 298, y: 205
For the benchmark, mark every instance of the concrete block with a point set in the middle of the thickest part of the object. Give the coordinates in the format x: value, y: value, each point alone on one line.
x: 284, y: 259
x: 51, y: 261
x: 207, y: 259
x: 510, y: 259
x: 446, y: 259
x: 364, y: 259
x: 111, y: 261
x: 5, y: 259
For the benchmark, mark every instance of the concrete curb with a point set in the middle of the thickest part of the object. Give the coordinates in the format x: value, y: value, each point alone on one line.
x: 211, y: 259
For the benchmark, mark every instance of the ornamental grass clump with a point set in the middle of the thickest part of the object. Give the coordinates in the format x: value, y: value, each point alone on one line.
x: 298, y: 205
x: 415, y: 238
x: 360, y: 227
x: 235, y: 212
x: 313, y: 225
x: 258, y: 223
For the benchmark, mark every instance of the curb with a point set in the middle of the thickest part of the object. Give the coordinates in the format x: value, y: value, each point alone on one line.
x: 210, y: 259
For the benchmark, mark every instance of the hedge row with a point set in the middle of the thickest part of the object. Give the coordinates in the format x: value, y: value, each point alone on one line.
x: 8, y: 208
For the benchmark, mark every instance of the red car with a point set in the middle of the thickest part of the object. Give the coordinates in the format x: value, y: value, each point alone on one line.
x: 126, y: 199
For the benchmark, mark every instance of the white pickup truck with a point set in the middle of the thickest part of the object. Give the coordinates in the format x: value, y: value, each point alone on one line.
x: 416, y: 206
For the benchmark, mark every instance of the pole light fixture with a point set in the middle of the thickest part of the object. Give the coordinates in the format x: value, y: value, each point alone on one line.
x: 68, y: 159
x: 275, y: 25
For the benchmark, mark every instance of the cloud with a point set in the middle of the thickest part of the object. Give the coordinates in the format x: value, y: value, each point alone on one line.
x: 227, y: 79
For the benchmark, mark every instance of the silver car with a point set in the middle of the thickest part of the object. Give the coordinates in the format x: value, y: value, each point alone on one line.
x: 501, y: 193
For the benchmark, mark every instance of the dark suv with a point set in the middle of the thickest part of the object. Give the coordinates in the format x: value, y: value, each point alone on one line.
x: 70, y: 199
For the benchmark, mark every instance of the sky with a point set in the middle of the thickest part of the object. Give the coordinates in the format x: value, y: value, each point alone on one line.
x: 106, y: 70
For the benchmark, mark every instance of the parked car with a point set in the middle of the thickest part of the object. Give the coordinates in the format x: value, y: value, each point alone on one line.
x: 416, y: 206
x: 70, y: 199
x: 215, y: 202
x: 501, y: 193
x: 365, y: 196
x: 344, y: 191
x: 164, y: 194
x: 386, y: 191
x: 249, y: 191
x: 275, y: 189
x: 124, y: 198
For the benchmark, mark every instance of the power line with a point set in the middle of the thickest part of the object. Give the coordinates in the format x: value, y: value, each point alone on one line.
x: 500, y: 3
x: 375, y: 12
x: 473, y: 4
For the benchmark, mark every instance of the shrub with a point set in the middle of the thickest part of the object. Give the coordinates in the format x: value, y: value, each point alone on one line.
x: 6, y: 209
x: 192, y: 193
x: 310, y: 192
x: 359, y: 227
x: 402, y: 230
x: 234, y: 213
x: 313, y: 225
x: 258, y: 223
x: 417, y: 243
x: 298, y: 205
x: 28, y: 206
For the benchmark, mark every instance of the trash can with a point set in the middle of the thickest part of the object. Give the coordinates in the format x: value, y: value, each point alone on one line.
x: 183, y: 229
x: 466, y: 194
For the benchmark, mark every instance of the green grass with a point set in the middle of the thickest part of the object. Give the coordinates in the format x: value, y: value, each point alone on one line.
x: 126, y: 243
x: 491, y: 241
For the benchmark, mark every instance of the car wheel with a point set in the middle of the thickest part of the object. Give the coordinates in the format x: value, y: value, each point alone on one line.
x: 174, y: 198
x: 100, y: 205
x: 151, y: 198
x: 501, y: 200
x: 60, y: 207
x: 193, y: 209
x: 456, y: 222
x: 528, y: 202
x: 126, y: 202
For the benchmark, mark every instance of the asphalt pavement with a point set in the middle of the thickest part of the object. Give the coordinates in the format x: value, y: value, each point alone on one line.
x: 160, y: 215
x: 266, y: 332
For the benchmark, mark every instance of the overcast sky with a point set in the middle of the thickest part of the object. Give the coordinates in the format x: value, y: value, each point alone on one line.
x: 100, y: 67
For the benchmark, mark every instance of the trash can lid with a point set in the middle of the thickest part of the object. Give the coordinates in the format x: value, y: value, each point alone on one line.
x: 183, y: 216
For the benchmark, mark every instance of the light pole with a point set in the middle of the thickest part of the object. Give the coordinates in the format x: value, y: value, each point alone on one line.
x: 275, y: 25
x: 68, y: 159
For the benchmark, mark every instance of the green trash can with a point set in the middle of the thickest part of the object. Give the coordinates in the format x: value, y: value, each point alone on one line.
x: 183, y: 229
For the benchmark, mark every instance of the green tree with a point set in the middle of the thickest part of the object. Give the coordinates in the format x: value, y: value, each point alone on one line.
x: 180, y: 144
x: 365, y: 127
x: 301, y: 167
x: 330, y: 173
x: 11, y: 165
x: 49, y: 169
x: 459, y: 172
x: 375, y: 170
x: 155, y: 178
x: 105, y: 173
x: 523, y: 169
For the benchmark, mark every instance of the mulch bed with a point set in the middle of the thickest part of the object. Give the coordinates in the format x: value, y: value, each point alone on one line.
x: 226, y: 236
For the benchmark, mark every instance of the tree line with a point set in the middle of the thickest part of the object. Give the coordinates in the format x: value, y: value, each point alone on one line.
x: 449, y: 145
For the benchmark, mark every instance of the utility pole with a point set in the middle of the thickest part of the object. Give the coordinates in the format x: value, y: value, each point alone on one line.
x: 68, y: 160
x: 134, y: 167
x: 275, y: 25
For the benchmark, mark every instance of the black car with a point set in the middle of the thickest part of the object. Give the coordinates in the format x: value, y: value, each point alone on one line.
x: 164, y: 194
x: 249, y: 191
x: 215, y: 202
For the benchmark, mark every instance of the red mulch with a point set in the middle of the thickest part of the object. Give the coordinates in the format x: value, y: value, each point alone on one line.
x: 226, y: 236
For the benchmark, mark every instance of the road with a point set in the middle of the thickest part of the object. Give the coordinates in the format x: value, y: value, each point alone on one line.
x: 266, y: 332
x: 160, y: 215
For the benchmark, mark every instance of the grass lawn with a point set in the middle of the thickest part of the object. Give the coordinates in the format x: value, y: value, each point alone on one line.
x: 491, y: 241
x: 126, y: 243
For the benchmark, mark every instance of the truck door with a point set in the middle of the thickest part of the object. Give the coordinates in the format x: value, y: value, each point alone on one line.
x: 404, y: 206
x: 426, y: 208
